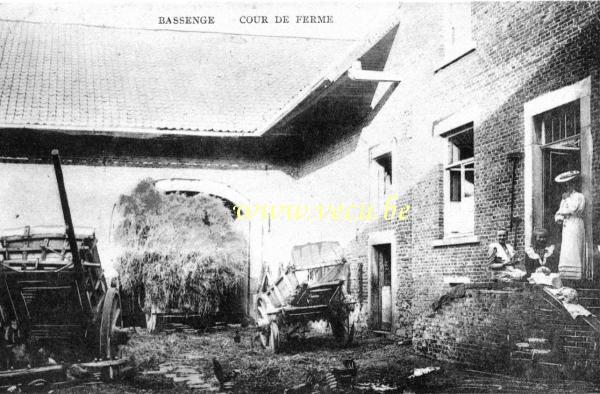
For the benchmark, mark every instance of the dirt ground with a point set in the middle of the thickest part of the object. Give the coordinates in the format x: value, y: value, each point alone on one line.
x: 184, y: 363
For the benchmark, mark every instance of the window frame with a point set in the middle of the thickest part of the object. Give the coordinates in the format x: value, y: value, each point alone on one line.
x: 462, y: 166
x: 377, y: 189
x: 449, y: 229
x: 562, y: 110
x: 377, y: 161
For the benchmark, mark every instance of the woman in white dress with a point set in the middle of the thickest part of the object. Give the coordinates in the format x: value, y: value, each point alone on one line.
x: 570, y: 215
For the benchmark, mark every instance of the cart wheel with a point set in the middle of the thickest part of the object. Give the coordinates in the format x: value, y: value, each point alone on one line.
x: 262, y: 320
x: 274, y: 337
x: 269, y: 337
x: 263, y: 338
x: 110, y: 324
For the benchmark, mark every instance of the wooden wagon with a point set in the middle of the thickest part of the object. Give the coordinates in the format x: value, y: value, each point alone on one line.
x: 54, y: 288
x: 313, y: 288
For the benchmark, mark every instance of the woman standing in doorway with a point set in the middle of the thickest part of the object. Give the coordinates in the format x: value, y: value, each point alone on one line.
x: 570, y: 215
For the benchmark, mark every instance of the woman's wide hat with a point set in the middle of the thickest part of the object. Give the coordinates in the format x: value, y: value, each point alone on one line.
x: 567, y: 176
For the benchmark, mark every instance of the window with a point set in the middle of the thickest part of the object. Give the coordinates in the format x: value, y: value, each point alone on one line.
x: 384, y: 162
x: 382, y: 179
x: 457, y: 38
x: 560, y: 123
x: 459, y: 177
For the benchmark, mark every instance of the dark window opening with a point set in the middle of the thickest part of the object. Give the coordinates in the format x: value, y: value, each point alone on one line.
x: 461, y: 144
x: 385, y: 161
x: 455, y: 181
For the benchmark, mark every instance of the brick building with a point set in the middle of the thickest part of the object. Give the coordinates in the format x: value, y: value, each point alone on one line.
x: 468, y: 133
x: 465, y: 139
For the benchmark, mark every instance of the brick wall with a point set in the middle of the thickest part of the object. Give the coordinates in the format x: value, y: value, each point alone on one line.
x: 523, y: 50
x: 485, y: 328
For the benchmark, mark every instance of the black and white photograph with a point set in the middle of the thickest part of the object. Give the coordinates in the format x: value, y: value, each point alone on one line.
x: 202, y: 196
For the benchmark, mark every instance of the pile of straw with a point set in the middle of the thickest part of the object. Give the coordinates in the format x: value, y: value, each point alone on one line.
x: 180, y: 252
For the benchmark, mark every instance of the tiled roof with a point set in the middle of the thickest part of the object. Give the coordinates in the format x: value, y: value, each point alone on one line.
x: 75, y: 77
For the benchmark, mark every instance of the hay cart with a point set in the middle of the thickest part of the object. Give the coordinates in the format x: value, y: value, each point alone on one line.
x: 311, y: 289
x: 54, y: 287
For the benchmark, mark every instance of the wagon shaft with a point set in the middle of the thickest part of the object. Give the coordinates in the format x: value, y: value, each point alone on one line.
x: 64, y: 202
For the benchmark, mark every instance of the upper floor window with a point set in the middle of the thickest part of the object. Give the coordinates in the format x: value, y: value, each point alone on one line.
x: 458, y: 38
x: 382, y: 177
x: 384, y: 165
x: 459, y: 200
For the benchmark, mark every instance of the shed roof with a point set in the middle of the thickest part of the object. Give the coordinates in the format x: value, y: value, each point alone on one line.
x: 95, y: 79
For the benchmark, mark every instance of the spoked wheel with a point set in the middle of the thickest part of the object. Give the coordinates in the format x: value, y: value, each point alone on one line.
x: 110, y: 332
x: 274, y: 337
x: 269, y: 337
x: 263, y: 337
x: 342, y: 330
x: 262, y: 320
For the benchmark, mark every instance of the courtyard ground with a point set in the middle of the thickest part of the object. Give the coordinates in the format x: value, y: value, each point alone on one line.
x: 183, y: 362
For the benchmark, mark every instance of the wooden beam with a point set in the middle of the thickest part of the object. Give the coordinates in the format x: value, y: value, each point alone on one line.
x: 356, y: 73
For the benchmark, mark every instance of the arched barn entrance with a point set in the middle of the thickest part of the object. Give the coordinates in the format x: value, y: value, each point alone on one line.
x: 231, y: 199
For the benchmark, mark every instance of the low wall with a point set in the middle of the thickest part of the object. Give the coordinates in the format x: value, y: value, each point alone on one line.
x: 509, y: 329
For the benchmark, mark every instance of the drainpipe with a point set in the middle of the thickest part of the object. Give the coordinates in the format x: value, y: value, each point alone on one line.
x: 249, y: 250
x: 513, y: 157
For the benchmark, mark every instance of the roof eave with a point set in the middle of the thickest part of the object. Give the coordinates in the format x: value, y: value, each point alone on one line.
x: 137, y: 132
x: 330, y: 78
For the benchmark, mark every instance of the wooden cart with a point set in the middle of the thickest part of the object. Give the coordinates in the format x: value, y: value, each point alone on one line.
x: 53, y: 286
x: 313, y: 288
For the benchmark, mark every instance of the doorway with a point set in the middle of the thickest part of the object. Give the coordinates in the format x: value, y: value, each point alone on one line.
x: 558, y: 138
x: 557, y: 158
x: 381, y: 287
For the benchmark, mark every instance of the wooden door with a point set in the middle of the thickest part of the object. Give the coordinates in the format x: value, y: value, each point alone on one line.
x: 381, y: 287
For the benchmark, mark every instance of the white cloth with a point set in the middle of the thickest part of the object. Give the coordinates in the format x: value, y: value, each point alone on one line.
x: 573, y: 309
x: 573, y: 236
x: 535, y: 256
x: 576, y: 310
x: 540, y: 278
x: 510, y: 273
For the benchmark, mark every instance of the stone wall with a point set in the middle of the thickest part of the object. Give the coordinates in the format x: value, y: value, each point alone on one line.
x: 509, y: 329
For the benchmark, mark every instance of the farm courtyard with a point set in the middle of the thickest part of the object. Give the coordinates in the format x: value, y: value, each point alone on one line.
x: 183, y: 362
